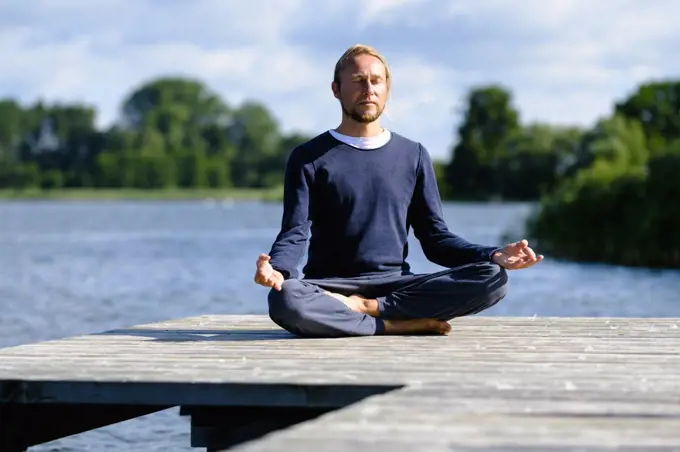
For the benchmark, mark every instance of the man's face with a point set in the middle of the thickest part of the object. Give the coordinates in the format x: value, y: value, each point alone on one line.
x: 363, y: 89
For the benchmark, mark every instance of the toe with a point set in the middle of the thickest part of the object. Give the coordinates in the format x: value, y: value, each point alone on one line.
x: 445, y: 328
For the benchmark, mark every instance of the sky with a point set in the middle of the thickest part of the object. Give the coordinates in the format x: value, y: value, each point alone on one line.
x: 565, y: 61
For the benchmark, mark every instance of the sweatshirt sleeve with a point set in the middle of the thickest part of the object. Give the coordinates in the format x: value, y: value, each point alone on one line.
x: 289, y: 245
x: 440, y: 245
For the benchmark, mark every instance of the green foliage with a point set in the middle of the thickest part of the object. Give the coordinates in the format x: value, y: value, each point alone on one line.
x: 173, y: 103
x: 663, y: 215
x: 172, y: 132
x: 488, y: 121
x: 257, y: 140
x: 534, y: 160
x: 20, y: 176
x: 590, y: 216
x: 655, y: 105
x: 51, y: 179
x: 619, y: 205
x: 618, y: 140
x: 606, y: 193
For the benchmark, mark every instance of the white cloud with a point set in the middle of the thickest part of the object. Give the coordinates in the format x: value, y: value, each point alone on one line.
x: 566, y: 61
x: 383, y: 11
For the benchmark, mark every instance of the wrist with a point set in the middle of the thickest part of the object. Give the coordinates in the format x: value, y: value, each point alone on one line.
x: 282, y: 273
x: 493, y: 253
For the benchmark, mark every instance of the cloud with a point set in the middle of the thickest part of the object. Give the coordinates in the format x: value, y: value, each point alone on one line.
x: 566, y: 61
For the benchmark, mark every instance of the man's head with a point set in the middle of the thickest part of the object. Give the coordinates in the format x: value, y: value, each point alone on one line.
x: 361, y: 83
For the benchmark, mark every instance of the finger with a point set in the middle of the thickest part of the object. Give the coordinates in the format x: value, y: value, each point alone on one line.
x: 276, y: 278
x: 520, y: 265
x: 259, y: 276
x: 262, y: 260
x: 264, y: 271
x: 517, y: 263
x: 538, y: 258
x: 529, y: 252
x: 515, y: 247
x: 532, y: 262
x: 514, y: 266
x: 519, y: 245
x: 262, y: 280
x: 276, y: 281
x: 526, y: 259
x: 516, y: 260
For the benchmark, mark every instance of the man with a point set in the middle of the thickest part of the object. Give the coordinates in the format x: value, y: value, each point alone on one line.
x: 358, y: 189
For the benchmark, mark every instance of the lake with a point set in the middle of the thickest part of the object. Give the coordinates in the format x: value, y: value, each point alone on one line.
x: 69, y: 268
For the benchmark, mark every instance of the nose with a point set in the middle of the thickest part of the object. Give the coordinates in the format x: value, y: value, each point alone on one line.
x: 368, y: 87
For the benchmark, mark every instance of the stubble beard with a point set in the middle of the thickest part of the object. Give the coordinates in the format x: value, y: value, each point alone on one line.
x: 363, y: 118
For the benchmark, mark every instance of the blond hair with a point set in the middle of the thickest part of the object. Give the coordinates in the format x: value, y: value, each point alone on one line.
x: 356, y: 50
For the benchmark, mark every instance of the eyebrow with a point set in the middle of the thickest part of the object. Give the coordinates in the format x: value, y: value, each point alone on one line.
x: 359, y: 75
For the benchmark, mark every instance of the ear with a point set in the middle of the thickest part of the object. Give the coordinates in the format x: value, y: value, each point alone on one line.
x: 336, y: 90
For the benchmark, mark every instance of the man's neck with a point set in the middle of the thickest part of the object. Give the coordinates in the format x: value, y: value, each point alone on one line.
x: 356, y: 129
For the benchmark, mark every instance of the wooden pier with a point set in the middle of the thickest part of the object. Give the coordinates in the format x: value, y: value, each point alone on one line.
x: 495, y: 383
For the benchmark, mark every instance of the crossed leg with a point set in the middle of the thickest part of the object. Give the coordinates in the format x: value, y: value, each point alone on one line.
x: 405, y: 304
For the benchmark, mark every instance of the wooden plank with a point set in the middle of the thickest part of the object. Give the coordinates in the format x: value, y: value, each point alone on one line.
x: 493, y: 382
x: 484, y: 345
x: 444, y: 419
x: 418, y: 419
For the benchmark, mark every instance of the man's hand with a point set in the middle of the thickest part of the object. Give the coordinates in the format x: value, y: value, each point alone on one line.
x: 516, y: 256
x: 266, y: 275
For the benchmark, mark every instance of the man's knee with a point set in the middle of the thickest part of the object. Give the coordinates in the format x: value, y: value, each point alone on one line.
x: 493, y: 285
x: 303, y: 310
x: 478, y: 286
x: 286, y: 305
x: 295, y: 309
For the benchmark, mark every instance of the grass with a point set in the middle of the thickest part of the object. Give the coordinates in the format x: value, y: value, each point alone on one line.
x: 113, y: 194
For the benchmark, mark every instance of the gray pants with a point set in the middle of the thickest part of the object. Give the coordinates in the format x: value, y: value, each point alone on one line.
x: 302, y: 308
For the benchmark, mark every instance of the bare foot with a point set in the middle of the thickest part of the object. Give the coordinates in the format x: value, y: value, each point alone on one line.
x: 353, y: 305
x: 417, y: 326
x: 369, y: 306
x: 357, y: 303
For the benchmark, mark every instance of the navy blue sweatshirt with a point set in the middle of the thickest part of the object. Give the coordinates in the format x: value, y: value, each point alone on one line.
x: 359, y: 206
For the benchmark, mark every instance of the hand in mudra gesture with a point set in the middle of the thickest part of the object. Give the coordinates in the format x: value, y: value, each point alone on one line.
x: 266, y: 275
x: 517, y: 255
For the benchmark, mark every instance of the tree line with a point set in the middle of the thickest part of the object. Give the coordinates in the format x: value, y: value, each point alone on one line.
x: 604, y: 193
x: 172, y: 132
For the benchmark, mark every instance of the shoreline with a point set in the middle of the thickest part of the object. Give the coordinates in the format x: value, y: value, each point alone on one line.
x: 127, y: 194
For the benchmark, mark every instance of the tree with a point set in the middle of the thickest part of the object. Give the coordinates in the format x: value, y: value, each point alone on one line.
x: 11, y: 129
x: 617, y: 139
x: 623, y: 194
x: 169, y: 101
x: 489, y: 120
x: 655, y: 105
x: 256, y: 137
x: 533, y: 160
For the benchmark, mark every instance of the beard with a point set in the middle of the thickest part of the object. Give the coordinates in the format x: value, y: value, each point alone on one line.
x: 362, y: 117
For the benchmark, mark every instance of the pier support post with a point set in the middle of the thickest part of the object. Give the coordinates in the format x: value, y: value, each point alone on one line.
x: 10, y: 428
x: 26, y: 425
x: 218, y: 428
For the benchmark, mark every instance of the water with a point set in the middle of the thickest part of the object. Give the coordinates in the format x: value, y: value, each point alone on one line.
x: 80, y: 267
